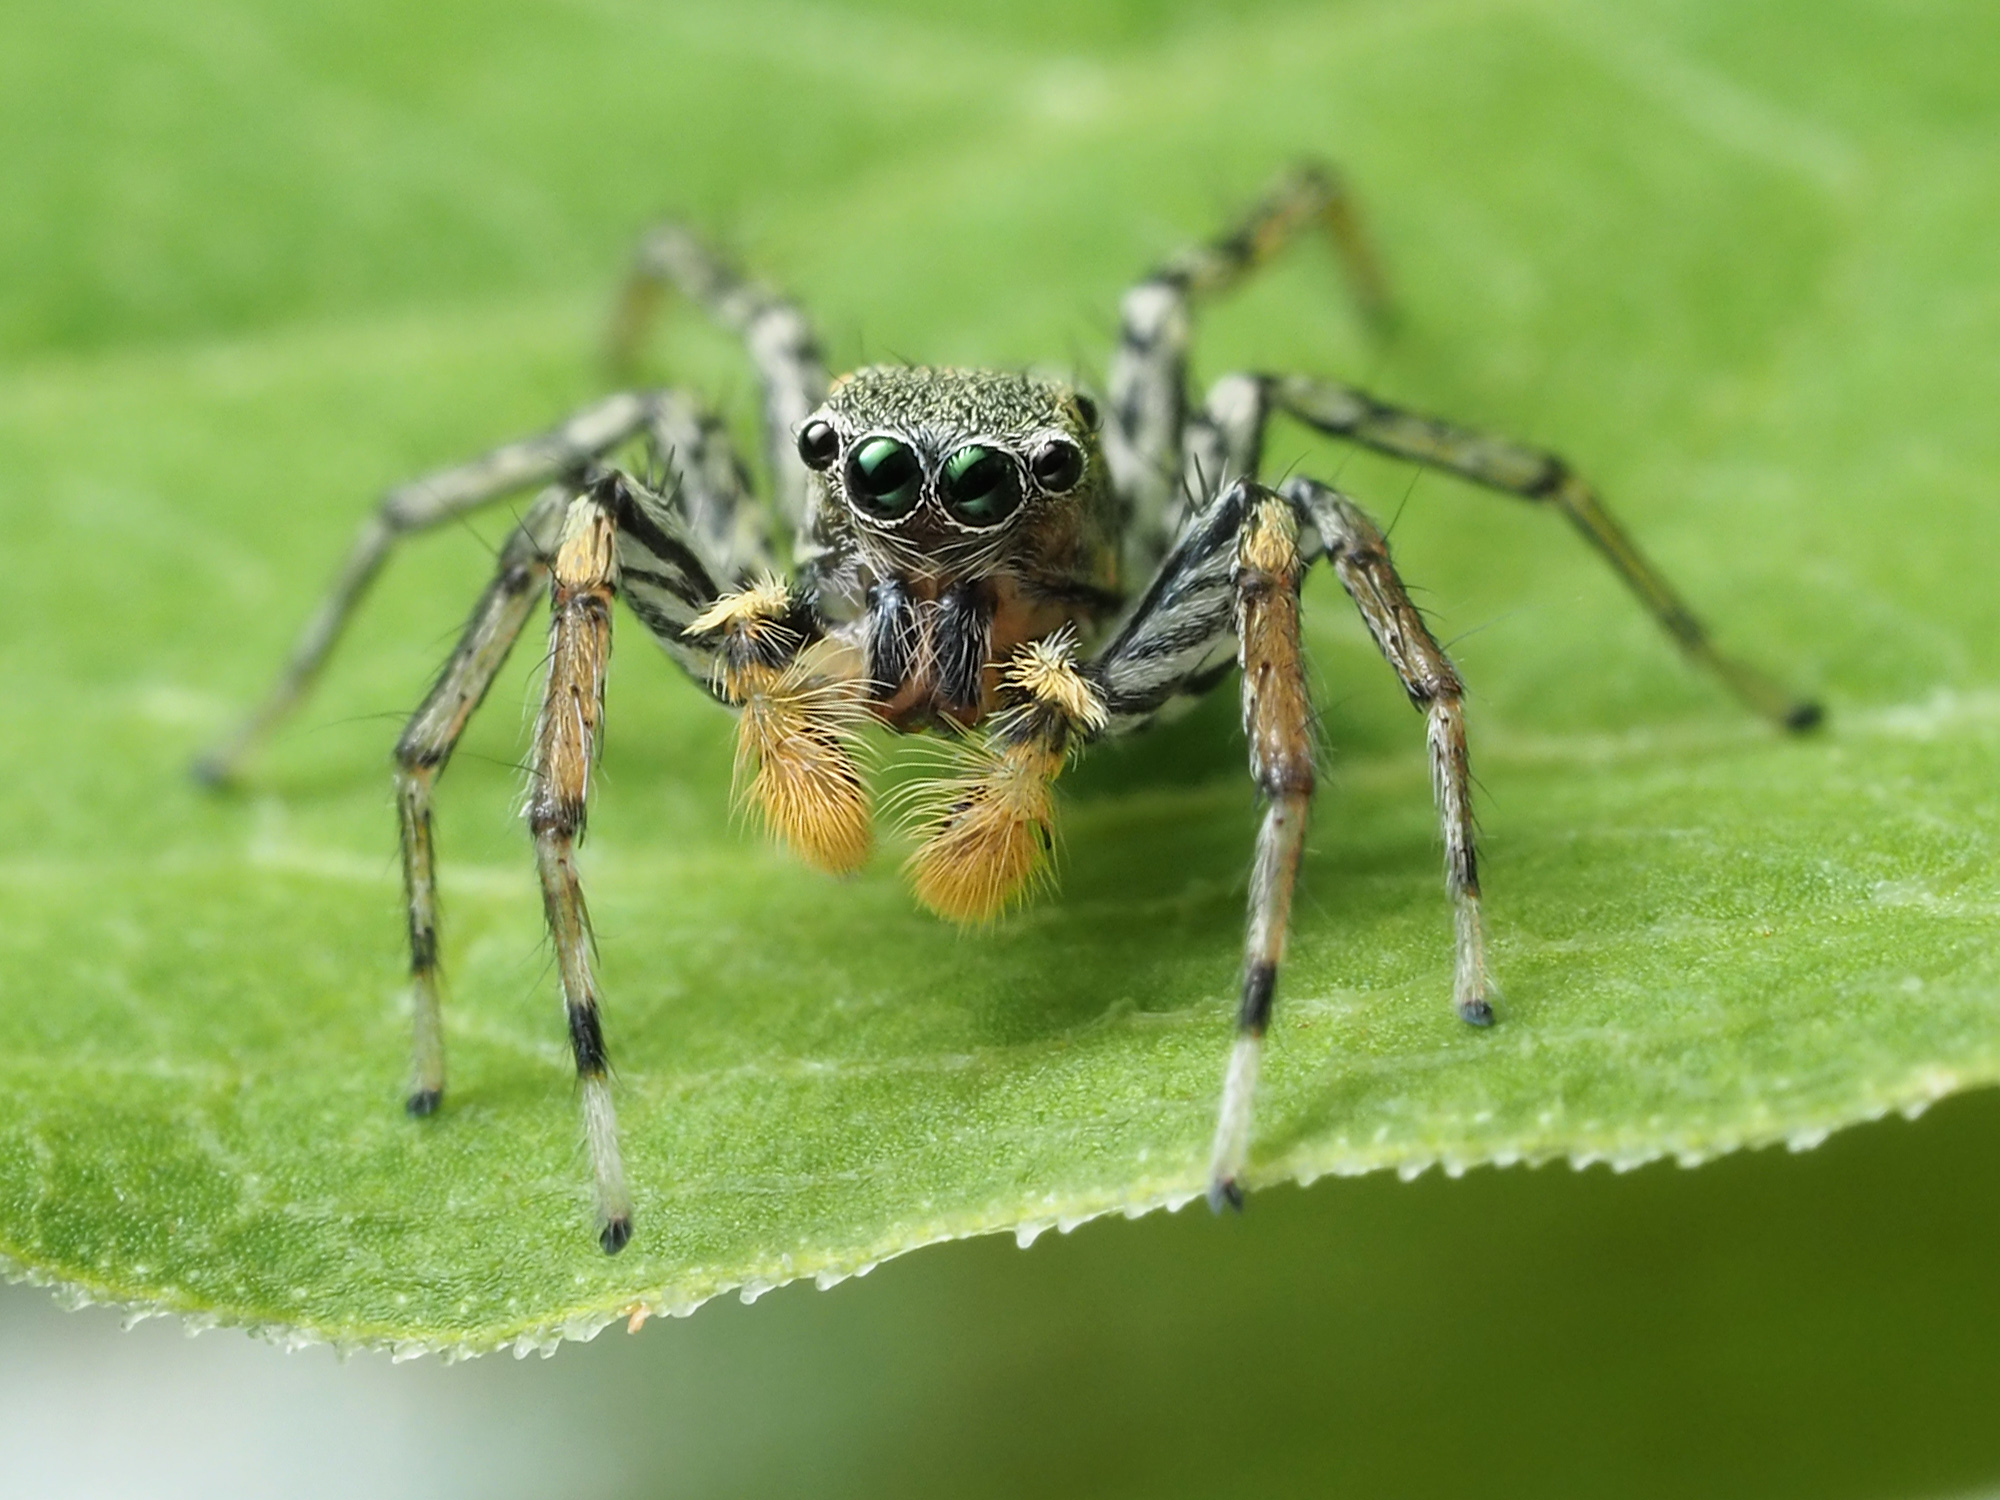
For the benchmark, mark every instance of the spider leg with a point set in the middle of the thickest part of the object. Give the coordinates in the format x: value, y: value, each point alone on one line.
x: 710, y: 491
x: 426, y: 747
x: 612, y: 536
x: 759, y: 648
x: 1278, y: 722
x: 1143, y: 438
x: 1230, y: 588
x: 1359, y: 555
x: 1179, y: 641
x: 568, y: 737
x: 419, y: 506
x: 779, y: 338
x: 1343, y: 411
x: 1227, y: 591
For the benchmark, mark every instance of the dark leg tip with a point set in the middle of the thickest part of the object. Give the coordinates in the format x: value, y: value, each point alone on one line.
x: 424, y: 1102
x: 1804, y: 716
x: 213, y: 772
x: 1477, y: 1012
x: 1226, y: 1193
x: 615, y: 1235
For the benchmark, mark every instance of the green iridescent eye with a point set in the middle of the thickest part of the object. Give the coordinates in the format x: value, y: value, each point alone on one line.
x: 884, y: 477
x: 982, y: 486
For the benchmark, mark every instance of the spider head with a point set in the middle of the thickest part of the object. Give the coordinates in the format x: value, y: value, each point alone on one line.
x: 941, y: 464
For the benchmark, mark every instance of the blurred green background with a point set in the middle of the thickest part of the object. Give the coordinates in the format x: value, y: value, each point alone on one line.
x: 1644, y: 189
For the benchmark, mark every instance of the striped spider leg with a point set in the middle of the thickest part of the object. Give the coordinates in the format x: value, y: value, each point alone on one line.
x: 1152, y: 435
x: 777, y: 336
x: 1227, y: 594
x: 584, y: 542
x: 1233, y: 581
x: 421, y: 505
x: 592, y: 533
x: 754, y: 650
x: 1171, y: 458
x: 1232, y: 577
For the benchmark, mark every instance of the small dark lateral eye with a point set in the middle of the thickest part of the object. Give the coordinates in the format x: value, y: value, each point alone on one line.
x: 1087, y: 409
x: 819, y: 444
x: 1057, y: 465
x: 981, y: 486
x: 884, y: 478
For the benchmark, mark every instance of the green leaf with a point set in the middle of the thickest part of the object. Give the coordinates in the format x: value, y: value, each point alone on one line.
x: 1735, y: 265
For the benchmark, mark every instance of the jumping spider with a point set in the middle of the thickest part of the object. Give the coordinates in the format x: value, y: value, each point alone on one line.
x: 966, y: 542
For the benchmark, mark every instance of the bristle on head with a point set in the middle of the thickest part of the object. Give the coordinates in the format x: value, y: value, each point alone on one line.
x: 987, y: 835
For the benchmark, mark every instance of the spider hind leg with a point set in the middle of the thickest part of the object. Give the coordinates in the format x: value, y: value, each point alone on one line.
x: 426, y: 747
x: 1499, y: 463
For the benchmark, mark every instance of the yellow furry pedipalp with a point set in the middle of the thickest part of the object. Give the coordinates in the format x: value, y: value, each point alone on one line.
x: 796, y: 763
x: 748, y: 610
x: 1046, y: 672
x: 987, y: 834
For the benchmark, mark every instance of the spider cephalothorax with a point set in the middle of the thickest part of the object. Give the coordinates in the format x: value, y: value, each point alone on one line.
x: 971, y: 554
x: 953, y: 516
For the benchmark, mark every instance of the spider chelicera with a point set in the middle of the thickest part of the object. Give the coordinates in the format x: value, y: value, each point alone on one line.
x: 964, y: 549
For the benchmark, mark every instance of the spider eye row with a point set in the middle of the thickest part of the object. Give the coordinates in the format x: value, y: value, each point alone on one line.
x: 979, y: 485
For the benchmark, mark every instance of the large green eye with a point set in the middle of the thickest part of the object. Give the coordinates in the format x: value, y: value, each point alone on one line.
x: 981, y: 486
x: 884, y: 477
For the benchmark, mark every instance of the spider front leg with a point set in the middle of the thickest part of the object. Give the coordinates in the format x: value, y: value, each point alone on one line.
x: 1277, y: 719
x: 1278, y: 722
x: 568, y: 737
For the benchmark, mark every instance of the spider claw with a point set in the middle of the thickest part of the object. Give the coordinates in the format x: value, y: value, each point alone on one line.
x: 1804, y: 715
x: 215, y: 771
x: 424, y: 1102
x: 1476, y: 1012
x: 1225, y: 1192
x: 616, y: 1233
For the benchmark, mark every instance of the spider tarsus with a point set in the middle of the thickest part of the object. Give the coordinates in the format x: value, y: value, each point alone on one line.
x: 1476, y: 1012
x: 424, y: 1102
x: 1804, y: 715
x: 616, y: 1233
x: 1225, y: 1192
x: 213, y: 771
